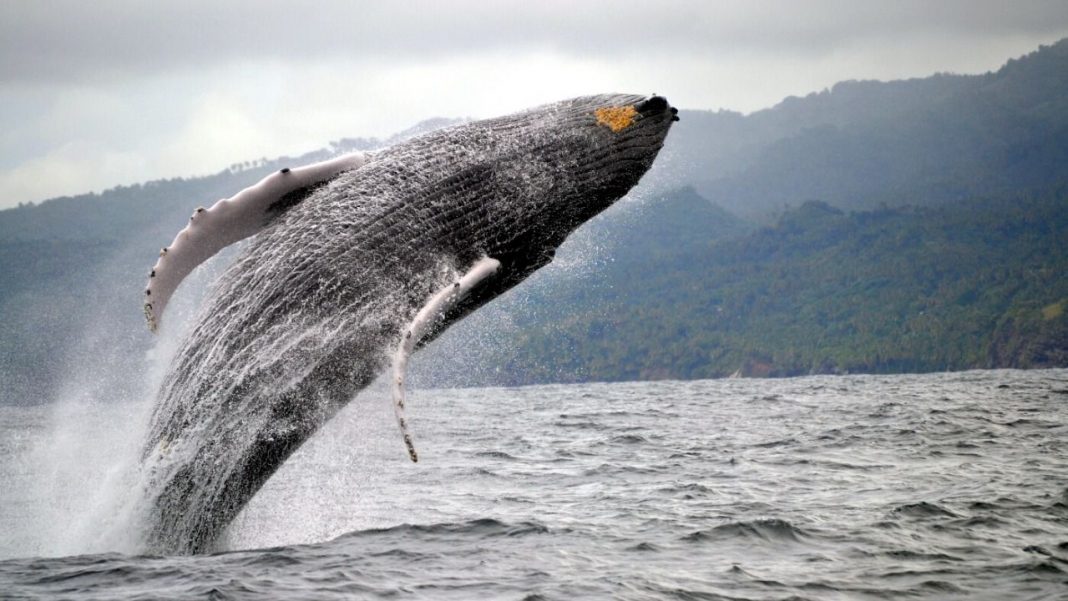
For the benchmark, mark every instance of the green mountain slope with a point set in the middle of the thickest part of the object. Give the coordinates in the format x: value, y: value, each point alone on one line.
x: 863, y: 144
x: 822, y: 291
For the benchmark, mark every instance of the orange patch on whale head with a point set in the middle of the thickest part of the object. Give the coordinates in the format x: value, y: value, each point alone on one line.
x: 616, y: 118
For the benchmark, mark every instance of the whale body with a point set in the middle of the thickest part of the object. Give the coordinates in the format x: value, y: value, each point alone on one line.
x: 351, y: 266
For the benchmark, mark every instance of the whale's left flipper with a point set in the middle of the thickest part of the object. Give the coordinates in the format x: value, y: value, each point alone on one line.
x: 231, y: 220
x: 425, y: 320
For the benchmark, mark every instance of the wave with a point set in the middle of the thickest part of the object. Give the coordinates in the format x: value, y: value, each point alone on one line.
x: 923, y: 509
x: 764, y: 530
x: 482, y: 527
x: 629, y: 439
x: 910, y: 555
x: 496, y: 455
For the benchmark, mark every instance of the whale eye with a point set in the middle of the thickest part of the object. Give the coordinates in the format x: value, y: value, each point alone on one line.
x: 616, y: 118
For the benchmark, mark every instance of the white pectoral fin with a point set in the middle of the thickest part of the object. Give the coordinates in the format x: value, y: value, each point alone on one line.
x: 228, y: 221
x: 426, y: 320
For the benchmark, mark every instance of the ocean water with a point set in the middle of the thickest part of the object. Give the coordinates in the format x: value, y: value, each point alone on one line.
x: 942, y: 486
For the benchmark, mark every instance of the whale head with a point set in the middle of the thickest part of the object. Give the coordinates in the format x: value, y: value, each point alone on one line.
x: 579, y: 157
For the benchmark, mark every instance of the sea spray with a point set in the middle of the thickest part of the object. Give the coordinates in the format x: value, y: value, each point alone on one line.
x: 81, y: 474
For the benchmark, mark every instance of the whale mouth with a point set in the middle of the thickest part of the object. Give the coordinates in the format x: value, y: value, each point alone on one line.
x: 652, y: 105
x: 656, y: 105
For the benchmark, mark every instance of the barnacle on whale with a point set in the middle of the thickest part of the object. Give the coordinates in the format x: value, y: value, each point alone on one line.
x: 616, y: 118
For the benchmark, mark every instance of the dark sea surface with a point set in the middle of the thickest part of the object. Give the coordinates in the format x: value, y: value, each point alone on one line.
x: 943, y: 486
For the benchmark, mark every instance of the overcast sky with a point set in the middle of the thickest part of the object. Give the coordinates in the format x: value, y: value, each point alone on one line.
x: 96, y: 94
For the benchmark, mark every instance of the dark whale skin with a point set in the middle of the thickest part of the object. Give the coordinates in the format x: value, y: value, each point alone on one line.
x: 308, y: 313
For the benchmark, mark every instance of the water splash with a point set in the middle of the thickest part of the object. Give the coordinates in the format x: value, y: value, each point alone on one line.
x: 79, y: 476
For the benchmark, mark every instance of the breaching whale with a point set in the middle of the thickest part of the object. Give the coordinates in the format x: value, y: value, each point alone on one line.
x: 351, y: 265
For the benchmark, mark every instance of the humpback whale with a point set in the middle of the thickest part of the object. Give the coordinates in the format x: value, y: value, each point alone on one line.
x: 351, y: 265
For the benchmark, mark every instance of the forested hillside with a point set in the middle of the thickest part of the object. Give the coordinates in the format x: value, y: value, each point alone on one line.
x: 821, y: 291
x: 865, y: 144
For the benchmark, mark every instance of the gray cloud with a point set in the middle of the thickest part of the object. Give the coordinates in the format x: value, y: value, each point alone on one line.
x: 99, y: 41
x: 96, y: 94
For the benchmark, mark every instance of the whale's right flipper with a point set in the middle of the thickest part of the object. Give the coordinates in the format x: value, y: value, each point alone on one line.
x: 426, y: 320
x: 231, y: 220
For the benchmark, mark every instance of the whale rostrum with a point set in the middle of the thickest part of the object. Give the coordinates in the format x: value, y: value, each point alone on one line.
x: 350, y: 266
